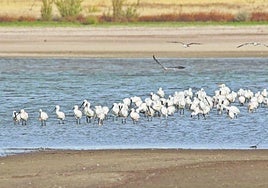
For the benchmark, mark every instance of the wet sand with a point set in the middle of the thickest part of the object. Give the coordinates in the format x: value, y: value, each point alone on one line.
x: 216, y: 41
x: 134, y: 168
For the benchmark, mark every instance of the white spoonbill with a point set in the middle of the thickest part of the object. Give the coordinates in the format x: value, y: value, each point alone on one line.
x: 16, y: 117
x: 42, y: 117
x: 89, y: 113
x: 135, y: 116
x: 115, y: 110
x: 252, y: 106
x: 60, y: 114
x: 100, y: 114
x: 164, y: 111
x: 123, y: 112
x: 196, y: 112
x: 105, y: 110
x: 24, y: 116
x: 232, y: 111
x: 161, y: 92
x: 149, y: 113
x: 77, y: 114
x: 242, y: 100
x: 264, y: 93
x: 127, y: 101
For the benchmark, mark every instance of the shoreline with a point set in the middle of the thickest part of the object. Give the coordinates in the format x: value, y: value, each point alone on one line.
x: 140, y: 54
x: 7, y: 152
x: 38, y: 151
x: 132, y: 168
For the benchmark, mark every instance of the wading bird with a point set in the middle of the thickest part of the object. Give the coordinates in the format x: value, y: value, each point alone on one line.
x: 24, y: 116
x: 42, y: 117
x: 135, y: 116
x: 60, y: 114
x: 77, y: 114
x: 16, y: 117
x: 89, y: 113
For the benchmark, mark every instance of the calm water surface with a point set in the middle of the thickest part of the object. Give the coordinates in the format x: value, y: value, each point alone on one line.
x: 43, y: 83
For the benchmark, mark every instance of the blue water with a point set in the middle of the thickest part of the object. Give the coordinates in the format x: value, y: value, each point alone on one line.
x: 45, y: 82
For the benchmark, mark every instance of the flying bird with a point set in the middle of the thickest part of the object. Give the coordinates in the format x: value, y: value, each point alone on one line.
x: 186, y: 45
x: 252, y: 43
x: 167, y: 68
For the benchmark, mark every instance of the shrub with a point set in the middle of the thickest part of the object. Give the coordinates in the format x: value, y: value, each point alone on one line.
x: 242, y: 16
x: 89, y: 20
x: 106, y: 17
x: 117, y: 9
x: 130, y: 13
x: 68, y: 19
x: 86, y: 20
x: 46, y: 10
x: 69, y: 8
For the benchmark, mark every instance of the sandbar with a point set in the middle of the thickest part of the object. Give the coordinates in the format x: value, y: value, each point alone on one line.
x: 133, y: 42
x: 136, y: 168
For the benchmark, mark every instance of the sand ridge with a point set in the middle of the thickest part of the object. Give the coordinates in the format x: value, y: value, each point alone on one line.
x: 131, y: 42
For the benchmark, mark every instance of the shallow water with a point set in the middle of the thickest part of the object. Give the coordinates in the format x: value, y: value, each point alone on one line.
x: 43, y: 83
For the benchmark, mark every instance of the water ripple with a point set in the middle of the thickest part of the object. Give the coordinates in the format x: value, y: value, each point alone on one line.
x: 44, y: 83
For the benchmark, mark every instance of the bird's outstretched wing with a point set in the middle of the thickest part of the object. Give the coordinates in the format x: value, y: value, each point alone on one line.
x: 244, y: 44
x: 252, y: 43
x: 167, y: 68
x: 194, y: 43
x: 163, y: 67
x: 177, y: 42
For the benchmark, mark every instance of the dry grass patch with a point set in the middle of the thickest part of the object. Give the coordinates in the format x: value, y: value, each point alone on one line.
x: 149, y: 8
x: 190, y: 17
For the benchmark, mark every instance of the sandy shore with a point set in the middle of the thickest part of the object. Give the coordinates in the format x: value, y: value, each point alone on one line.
x: 136, y: 168
x: 217, y: 41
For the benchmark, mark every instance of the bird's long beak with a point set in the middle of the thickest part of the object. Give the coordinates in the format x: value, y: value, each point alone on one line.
x: 82, y: 105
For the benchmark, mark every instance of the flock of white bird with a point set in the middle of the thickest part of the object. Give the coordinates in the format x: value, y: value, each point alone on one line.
x: 159, y: 105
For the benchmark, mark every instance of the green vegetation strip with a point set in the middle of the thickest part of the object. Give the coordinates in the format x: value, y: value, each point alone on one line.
x: 130, y: 24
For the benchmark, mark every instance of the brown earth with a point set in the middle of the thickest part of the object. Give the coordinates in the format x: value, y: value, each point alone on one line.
x: 136, y: 168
